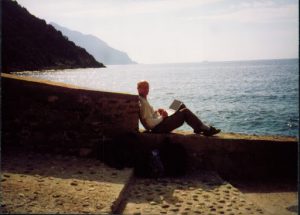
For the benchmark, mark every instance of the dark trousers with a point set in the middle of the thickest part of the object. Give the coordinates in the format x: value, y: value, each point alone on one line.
x: 176, y: 120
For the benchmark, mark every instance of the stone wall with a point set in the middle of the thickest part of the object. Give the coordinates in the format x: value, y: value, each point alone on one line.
x: 45, y: 115
x: 235, y: 156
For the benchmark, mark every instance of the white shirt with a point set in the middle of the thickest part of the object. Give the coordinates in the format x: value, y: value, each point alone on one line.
x: 148, y: 115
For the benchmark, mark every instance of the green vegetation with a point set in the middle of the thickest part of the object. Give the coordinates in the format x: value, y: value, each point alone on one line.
x: 29, y: 43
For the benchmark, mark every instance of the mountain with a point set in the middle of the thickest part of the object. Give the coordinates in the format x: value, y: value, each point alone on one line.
x: 95, y: 46
x: 28, y: 43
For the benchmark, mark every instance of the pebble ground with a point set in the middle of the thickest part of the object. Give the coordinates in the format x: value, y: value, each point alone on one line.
x: 204, y: 193
x: 47, y: 184
x: 36, y: 183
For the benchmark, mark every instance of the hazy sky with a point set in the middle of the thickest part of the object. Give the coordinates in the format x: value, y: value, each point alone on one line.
x: 165, y: 31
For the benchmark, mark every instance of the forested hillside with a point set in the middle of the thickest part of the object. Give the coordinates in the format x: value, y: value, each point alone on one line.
x: 29, y: 43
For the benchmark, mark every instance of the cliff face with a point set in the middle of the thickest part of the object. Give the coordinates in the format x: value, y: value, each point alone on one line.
x: 28, y: 43
x: 95, y: 46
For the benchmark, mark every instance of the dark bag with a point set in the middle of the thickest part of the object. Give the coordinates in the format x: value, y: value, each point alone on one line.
x: 148, y: 164
x: 169, y: 159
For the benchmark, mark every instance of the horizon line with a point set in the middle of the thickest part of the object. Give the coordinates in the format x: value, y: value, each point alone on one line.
x: 213, y: 61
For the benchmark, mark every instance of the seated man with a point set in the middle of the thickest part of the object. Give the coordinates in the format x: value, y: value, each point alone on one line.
x: 159, y: 121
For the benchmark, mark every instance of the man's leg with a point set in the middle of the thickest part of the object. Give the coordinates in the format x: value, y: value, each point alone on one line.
x: 197, y: 125
x: 170, y: 123
x: 176, y: 120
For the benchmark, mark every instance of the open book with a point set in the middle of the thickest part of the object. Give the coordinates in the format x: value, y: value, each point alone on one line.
x: 174, y: 107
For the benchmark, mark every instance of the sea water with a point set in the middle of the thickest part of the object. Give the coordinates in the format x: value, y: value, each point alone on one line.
x: 253, y: 97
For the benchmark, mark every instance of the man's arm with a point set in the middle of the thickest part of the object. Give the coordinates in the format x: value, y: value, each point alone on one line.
x: 162, y: 112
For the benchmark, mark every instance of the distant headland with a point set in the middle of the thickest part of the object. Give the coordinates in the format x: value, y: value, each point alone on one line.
x: 100, y: 50
x: 29, y: 43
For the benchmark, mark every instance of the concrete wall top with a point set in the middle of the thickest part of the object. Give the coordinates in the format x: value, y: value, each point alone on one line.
x: 252, y: 137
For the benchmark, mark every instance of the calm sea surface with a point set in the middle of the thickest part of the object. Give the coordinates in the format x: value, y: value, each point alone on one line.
x: 253, y: 97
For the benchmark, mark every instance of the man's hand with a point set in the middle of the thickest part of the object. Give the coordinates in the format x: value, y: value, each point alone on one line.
x: 162, y: 112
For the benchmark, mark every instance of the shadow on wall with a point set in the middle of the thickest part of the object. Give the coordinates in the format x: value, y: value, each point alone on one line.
x: 157, y: 160
x: 50, y: 116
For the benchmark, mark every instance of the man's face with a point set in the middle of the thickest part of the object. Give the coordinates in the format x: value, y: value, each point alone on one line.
x: 143, y: 89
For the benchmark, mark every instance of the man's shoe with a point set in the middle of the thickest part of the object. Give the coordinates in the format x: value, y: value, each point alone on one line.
x: 212, y: 131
